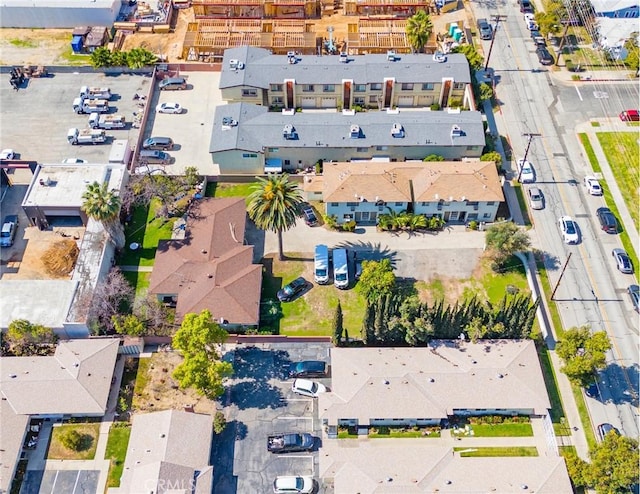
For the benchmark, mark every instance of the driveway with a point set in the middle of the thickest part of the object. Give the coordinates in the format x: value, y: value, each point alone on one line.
x: 259, y: 402
x: 453, y: 252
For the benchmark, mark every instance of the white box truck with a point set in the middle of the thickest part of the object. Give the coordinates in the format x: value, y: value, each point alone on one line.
x: 100, y: 121
x: 81, y: 105
x: 86, y: 136
x: 321, y: 265
x: 120, y: 152
x: 95, y: 92
x: 340, y: 268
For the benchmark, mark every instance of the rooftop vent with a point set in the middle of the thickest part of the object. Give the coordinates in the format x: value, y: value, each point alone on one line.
x: 228, y: 122
x: 397, y: 130
x: 292, y: 57
x: 289, y: 132
x: 457, y: 132
x: 439, y: 57
x: 391, y: 56
x: 236, y: 64
x: 499, y: 376
x: 343, y: 58
x: 354, y: 131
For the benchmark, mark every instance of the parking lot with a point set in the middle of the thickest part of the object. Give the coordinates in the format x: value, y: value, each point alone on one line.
x: 35, y: 119
x: 260, y: 402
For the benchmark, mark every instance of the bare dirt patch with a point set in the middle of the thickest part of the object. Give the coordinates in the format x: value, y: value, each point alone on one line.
x: 34, y: 46
x: 162, y: 392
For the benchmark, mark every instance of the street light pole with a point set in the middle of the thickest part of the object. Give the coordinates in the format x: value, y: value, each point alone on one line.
x: 526, y: 151
x: 496, y: 18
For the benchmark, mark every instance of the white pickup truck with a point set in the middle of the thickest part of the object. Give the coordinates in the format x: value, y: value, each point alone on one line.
x: 98, y: 121
x: 95, y: 92
x: 81, y: 105
x: 86, y: 136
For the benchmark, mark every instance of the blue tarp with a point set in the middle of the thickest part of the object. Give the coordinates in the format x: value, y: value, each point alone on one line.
x: 76, y: 44
x: 273, y: 165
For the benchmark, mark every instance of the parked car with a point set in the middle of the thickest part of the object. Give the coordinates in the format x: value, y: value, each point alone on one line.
x: 569, y: 230
x: 530, y: 21
x: 73, y: 161
x: 525, y: 6
x: 592, y: 391
x: 593, y: 186
x: 623, y: 261
x: 292, y: 289
x: 159, y: 143
x: 9, y: 229
x: 630, y: 116
x: 634, y: 293
x: 535, y: 198
x: 526, y: 172
x: 7, y: 154
x: 290, y: 485
x: 485, y: 29
x: 607, y: 220
x: 290, y: 442
x: 308, y: 368
x: 544, y: 57
x: 604, y: 429
x: 309, y: 216
x: 173, y: 84
x: 537, y: 38
x: 305, y: 387
x: 169, y: 108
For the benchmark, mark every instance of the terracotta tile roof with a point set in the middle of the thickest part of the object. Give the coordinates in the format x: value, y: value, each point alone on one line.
x: 391, y: 182
x: 211, y: 268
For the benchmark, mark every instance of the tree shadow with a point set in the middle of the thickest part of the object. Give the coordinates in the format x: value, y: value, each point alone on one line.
x: 368, y: 251
x: 550, y: 261
x: 622, y: 378
x: 222, y: 454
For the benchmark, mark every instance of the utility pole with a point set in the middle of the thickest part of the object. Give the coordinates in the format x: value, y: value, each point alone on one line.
x: 496, y: 18
x: 526, y: 151
x: 566, y: 23
x: 566, y: 263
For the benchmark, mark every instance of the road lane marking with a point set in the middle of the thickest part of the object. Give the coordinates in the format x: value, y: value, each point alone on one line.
x: 294, y: 418
x: 578, y: 91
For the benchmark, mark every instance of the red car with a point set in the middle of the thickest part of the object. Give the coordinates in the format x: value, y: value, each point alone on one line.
x: 630, y: 116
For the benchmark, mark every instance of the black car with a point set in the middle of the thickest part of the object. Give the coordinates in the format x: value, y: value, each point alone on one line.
x: 544, y: 57
x: 485, y: 29
x: 607, y: 220
x: 308, y: 368
x: 309, y: 215
x: 604, y: 429
x: 634, y: 293
x: 292, y: 289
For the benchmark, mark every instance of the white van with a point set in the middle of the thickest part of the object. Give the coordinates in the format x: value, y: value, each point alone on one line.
x: 340, y: 268
x: 321, y: 265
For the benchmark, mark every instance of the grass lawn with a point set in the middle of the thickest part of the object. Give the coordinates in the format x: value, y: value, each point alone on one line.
x: 557, y: 410
x: 138, y: 280
x: 522, y: 202
x: 497, y: 451
x: 585, y: 418
x: 146, y: 230
x: 116, y: 452
x: 142, y: 378
x: 228, y: 190
x: 90, y: 434
x: 405, y: 434
x: 500, y: 430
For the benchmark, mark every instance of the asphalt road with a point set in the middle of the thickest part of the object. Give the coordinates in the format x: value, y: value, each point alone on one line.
x: 591, y: 291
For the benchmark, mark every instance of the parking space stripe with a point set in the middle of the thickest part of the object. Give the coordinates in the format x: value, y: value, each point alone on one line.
x: 77, y: 479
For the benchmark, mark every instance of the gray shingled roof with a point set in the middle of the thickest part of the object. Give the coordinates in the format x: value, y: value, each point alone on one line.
x: 262, y: 68
x: 259, y: 128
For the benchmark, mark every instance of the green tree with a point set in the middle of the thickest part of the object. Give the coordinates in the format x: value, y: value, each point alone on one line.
x: 485, y: 92
x: 103, y: 205
x: 419, y: 28
x: 377, y: 279
x: 338, y: 328
x: 219, y: 422
x: 614, y: 465
x: 101, y: 57
x: 577, y: 468
x: 433, y: 157
x: 118, y: 59
x: 73, y: 440
x: 504, y: 240
x: 583, y: 353
x: 633, y: 53
x: 199, y: 339
x: 139, y: 57
x: 476, y: 61
x: 128, y: 324
x: 23, y: 332
x: 274, y: 204
x: 476, y: 329
x: 492, y: 156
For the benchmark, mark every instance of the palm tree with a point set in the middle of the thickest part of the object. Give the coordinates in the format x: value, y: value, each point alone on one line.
x: 273, y: 205
x: 101, y: 57
x: 103, y: 205
x: 419, y: 28
x: 139, y: 57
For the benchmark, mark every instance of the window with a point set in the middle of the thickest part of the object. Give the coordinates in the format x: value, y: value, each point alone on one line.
x: 472, y: 203
x: 471, y: 148
x: 287, y: 162
x: 358, y: 101
x: 352, y: 204
x: 407, y: 86
x: 486, y: 215
x: 427, y: 86
x: 376, y: 86
x: 373, y: 99
x: 329, y: 88
x: 362, y: 150
x: 459, y: 85
x: 424, y: 204
x: 277, y: 100
x: 399, y: 203
x: 334, y: 204
x: 276, y: 88
x: 491, y: 203
x: 307, y: 88
x: 360, y: 88
x: 274, y: 150
x: 382, y: 148
x: 249, y: 93
x: 249, y: 155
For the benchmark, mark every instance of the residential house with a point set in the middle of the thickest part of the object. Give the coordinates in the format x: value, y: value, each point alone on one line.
x: 613, y: 32
x: 423, y: 386
x: 255, y: 75
x: 211, y: 267
x: 401, y: 8
x: 74, y: 382
x: 168, y: 451
x: 249, y: 139
x: 455, y: 191
x: 620, y: 9
x: 50, y: 14
x: 256, y: 9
